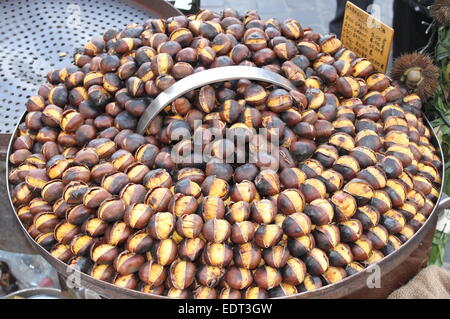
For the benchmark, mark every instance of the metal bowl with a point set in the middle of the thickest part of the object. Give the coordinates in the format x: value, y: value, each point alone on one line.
x: 340, y: 289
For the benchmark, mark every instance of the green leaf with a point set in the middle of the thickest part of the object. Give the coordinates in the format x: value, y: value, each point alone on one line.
x: 437, y: 253
x: 447, y: 182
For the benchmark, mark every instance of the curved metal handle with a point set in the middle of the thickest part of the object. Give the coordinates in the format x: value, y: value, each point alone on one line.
x: 196, y: 80
x: 444, y: 203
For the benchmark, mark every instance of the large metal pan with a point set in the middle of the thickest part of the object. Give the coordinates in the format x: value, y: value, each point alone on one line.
x: 340, y: 289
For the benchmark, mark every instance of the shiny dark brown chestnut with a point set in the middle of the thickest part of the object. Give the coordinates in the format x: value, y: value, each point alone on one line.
x: 161, y: 225
x: 152, y: 274
x: 238, y: 278
x: 394, y: 221
x: 267, y: 277
x: 117, y: 233
x: 191, y: 248
x: 361, y: 248
x: 268, y: 235
x: 313, y: 189
x: 291, y: 201
x: 320, y: 211
x: 316, y: 262
x: 368, y: 216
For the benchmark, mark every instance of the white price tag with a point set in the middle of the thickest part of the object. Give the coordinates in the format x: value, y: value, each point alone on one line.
x: 183, y: 4
x: 443, y: 223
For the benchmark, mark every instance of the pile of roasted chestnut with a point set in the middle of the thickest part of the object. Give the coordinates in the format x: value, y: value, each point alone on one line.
x: 344, y: 176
